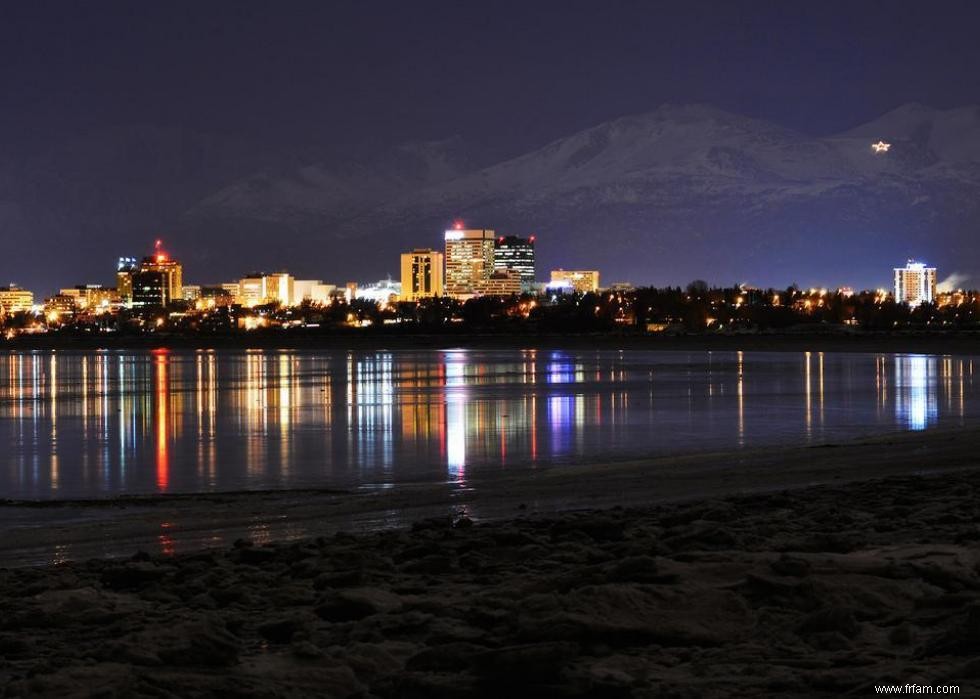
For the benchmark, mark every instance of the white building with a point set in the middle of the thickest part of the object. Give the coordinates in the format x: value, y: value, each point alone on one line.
x: 381, y: 292
x: 915, y: 283
x: 312, y: 290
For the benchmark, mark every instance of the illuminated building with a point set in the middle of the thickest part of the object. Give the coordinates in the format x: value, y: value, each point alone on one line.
x: 213, y: 296
x: 313, y: 291
x: 150, y: 289
x: 59, y: 308
x: 505, y: 282
x: 514, y: 253
x: 190, y: 292
x: 172, y: 278
x: 13, y: 299
x: 260, y: 289
x: 233, y: 289
x: 124, y: 277
x: 93, y: 298
x: 279, y: 288
x: 915, y: 283
x: 469, y: 260
x: 579, y: 281
x: 421, y: 274
x: 381, y: 292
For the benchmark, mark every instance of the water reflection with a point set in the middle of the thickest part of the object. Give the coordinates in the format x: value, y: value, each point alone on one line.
x: 916, y: 391
x: 92, y: 424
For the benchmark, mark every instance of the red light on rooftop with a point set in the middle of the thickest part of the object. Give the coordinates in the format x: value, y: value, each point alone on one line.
x: 458, y: 225
x: 532, y: 238
x: 161, y: 258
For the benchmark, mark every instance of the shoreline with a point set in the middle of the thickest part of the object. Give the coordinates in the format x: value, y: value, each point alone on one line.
x: 820, y: 590
x: 42, y: 532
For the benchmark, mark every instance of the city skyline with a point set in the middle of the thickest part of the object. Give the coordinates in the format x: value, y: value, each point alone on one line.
x: 154, y: 261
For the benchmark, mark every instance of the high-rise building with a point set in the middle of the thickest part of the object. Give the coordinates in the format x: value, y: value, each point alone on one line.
x: 13, y: 299
x: 150, y: 289
x: 915, y: 283
x: 469, y: 260
x: 173, y: 277
x: 514, y: 253
x: 581, y: 281
x: 421, y: 274
x: 504, y: 282
x: 125, y: 268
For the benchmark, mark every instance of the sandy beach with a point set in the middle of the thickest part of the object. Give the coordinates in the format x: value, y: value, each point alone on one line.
x: 748, y: 581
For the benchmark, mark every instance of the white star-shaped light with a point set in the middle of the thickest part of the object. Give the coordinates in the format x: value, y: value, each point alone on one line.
x: 880, y: 147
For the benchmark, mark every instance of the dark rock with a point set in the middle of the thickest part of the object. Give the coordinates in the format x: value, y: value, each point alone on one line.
x: 595, y: 527
x: 281, y: 630
x: 961, y: 639
x: 257, y: 555
x: 447, y: 657
x: 636, y: 569
x: 838, y: 619
x: 433, y: 564
x: 790, y: 566
x: 433, y: 523
x: 462, y: 522
x: 357, y: 603
x: 343, y: 578
x: 204, y: 642
x: 534, y: 662
x: 132, y: 575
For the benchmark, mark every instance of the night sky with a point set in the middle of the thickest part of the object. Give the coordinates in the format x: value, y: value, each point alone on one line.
x: 330, y: 77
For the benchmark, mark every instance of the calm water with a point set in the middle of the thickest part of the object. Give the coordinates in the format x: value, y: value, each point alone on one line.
x: 103, y: 423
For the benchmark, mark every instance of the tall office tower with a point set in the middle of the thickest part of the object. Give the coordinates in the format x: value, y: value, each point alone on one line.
x: 151, y: 289
x: 915, y: 283
x: 517, y: 254
x: 469, y: 260
x: 172, y: 271
x: 125, y: 268
x: 421, y: 274
x: 581, y: 280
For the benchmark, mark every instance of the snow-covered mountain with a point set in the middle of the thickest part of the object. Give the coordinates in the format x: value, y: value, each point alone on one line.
x: 682, y: 192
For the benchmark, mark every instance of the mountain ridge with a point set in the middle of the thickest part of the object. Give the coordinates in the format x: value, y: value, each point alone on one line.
x: 684, y: 190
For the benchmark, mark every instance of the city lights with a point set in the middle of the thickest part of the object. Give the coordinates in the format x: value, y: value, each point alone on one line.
x: 435, y: 287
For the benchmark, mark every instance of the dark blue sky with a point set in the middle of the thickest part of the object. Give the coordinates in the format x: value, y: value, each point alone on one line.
x: 313, y: 78
x: 509, y: 73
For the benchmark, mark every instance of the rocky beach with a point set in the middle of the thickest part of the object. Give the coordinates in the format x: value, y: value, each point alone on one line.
x: 817, y: 591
